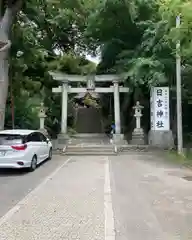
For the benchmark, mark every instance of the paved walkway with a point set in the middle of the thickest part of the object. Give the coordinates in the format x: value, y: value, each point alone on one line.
x: 91, y: 198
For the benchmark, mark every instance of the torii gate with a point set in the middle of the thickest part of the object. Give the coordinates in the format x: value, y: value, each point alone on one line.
x: 66, y: 89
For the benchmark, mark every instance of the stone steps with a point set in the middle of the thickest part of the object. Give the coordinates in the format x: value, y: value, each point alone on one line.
x: 92, y: 150
x: 87, y: 139
x: 133, y: 147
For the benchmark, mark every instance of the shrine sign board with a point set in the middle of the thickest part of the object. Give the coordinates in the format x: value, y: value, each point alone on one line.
x: 160, y: 115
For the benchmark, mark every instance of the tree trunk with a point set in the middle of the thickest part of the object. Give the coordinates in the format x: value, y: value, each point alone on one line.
x: 3, y: 86
x: 5, y: 27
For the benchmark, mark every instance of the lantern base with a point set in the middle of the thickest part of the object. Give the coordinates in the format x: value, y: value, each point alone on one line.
x: 138, y: 137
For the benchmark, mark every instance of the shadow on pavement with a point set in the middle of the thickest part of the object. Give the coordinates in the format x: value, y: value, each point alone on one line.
x: 8, y: 172
x: 12, y: 172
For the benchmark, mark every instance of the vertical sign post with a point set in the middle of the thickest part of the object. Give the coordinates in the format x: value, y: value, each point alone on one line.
x: 160, y: 117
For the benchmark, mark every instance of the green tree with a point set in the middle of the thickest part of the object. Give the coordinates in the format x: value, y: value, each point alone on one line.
x: 38, y: 30
x: 140, y: 45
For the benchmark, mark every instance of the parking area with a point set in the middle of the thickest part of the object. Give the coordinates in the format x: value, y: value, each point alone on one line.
x: 16, y: 184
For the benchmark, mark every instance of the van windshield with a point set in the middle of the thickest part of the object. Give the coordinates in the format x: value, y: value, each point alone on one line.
x: 10, y: 139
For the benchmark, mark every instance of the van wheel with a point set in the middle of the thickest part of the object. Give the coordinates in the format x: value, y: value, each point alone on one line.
x: 50, y: 154
x: 33, y: 164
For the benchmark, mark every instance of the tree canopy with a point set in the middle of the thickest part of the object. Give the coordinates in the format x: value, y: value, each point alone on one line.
x: 46, y: 35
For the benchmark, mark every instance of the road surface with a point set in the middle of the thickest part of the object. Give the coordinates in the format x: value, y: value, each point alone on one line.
x: 14, y: 184
x: 135, y: 196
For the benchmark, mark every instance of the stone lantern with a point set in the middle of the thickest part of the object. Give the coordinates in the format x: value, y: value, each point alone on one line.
x: 42, y: 116
x: 138, y: 133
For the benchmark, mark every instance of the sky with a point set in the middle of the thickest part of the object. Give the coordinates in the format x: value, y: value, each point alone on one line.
x: 93, y: 59
x: 96, y: 59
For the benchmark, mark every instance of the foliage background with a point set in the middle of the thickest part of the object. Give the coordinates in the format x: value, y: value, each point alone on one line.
x: 135, y: 38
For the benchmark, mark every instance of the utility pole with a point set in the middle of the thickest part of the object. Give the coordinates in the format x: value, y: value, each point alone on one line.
x: 179, y: 93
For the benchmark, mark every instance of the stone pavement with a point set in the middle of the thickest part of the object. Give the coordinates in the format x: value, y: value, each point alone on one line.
x: 67, y: 205
x: 133, y: 196
x: 151, y: 200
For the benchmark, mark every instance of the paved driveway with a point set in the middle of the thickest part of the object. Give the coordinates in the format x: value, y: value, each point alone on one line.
x: 135, y: 196
x: 14, y: 185
x: 151, y: 200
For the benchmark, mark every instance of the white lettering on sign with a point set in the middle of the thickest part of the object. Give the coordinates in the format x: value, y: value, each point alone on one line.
x: 160, y: 119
